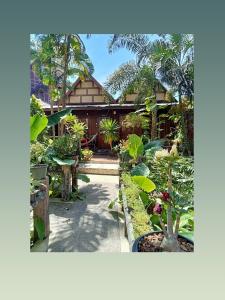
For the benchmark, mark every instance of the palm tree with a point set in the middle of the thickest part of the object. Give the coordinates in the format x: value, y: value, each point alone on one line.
x: 171, y: 57
x: 133, y: 78
x: 109, y: 129
x: 60, y: 56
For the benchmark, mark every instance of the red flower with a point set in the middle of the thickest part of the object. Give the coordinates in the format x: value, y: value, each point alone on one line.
x: 157, y: 209
x: 165, y: 196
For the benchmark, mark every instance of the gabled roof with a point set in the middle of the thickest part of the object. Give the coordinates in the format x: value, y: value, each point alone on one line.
x: 91, y: 78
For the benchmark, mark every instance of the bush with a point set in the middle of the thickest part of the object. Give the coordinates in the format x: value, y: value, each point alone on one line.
x: 65, y: 146
x: 37, y: 153
x: 139, y: 216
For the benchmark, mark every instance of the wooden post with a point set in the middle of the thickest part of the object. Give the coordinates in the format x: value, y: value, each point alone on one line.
x: 67, y: 184
x: 41, y: 210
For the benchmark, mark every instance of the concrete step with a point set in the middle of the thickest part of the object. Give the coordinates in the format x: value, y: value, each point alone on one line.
x: 100, y: 169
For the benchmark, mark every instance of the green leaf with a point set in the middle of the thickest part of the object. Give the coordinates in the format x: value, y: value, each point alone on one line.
x: 154, y: 220
x: 37, y: 125
x: 112, y: 204
x: 144, y: 198
x: 187, y: 234
x: 144, y: 183
x: 57, y: 117
x: 39, y: 227
x: 135, y: 146
x: 154, y: 144
x: 65, y: 162
x: 83, y: 177
x: 140, y: 170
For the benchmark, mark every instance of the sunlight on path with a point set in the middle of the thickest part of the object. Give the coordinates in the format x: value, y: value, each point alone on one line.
x: 88, y: 226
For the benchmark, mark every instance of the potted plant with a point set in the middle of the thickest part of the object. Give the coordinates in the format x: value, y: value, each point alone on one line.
x: 38, y: 161
x: 86, y: 154
x: 168, y: 206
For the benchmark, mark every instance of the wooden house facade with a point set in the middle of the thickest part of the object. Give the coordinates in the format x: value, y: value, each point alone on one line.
x: 90, y: 103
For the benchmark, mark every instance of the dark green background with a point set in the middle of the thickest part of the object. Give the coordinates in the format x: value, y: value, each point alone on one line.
x: 26, y: 275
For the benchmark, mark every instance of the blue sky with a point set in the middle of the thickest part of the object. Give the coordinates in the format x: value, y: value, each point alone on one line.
x: 104, y: 63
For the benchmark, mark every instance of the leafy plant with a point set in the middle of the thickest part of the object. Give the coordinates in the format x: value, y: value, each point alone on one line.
x: 144, y: 183
x: 83, y: 177
x: 39, y: 227
x: 86, y: 154
x: 37, y: 153
x: 139, y: 216
x: 37, y: 124
x: 172, y: 199
x: 109, y: 129
x: 35, y: 106
x: 64, y: 146
x: 134, y: 120
x: 55, y: 118
x: 74, y: 127
x: 135, y: 146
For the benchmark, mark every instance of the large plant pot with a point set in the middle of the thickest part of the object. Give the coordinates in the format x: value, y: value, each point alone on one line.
x: 135, y: 247
x: 39, y: 172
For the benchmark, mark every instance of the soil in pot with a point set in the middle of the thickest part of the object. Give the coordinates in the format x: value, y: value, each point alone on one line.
x: 152, y: 243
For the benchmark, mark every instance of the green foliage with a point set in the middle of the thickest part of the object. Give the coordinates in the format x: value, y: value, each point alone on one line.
x: 109, y: 129
x: 139, y: 216
x: 134, y: 120
x: 35, y: 107
x: 64, y: 162
x: 140, y: 170
x: 144, y: 183
x: 37, y: 124
x: 39, y: 227
x: 74, y: 127
x: 57, y: 117
x: 55, y: 186
x: 135, y: 146
x: 37, y: 153
x: 64, y: 147
x: 83, y: 177
x: 86, y: 154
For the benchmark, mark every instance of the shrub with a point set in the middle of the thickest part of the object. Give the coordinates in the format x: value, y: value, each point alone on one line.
x: 35, y: 106
x: 37, y: 153
x: 65, y: 146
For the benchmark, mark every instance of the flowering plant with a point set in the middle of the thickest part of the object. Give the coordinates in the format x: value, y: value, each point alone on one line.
x: 170, y: 203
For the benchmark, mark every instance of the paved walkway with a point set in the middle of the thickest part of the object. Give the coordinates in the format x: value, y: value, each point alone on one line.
x: 89, y: 225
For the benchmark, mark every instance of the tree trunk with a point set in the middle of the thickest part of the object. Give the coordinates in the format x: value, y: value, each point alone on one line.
x: 170, y: 244
x: 52, y: 110
x: 67, y: 183
x: 154, y: 120
x: 65, y: 74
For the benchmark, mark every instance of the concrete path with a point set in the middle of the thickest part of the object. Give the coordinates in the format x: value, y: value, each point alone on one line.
x: 89, y: 225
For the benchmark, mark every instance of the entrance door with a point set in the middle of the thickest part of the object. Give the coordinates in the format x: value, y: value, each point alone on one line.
x: 100, y: 140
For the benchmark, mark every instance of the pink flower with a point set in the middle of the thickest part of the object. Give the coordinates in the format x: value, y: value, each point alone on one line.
x: 157, y: 209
